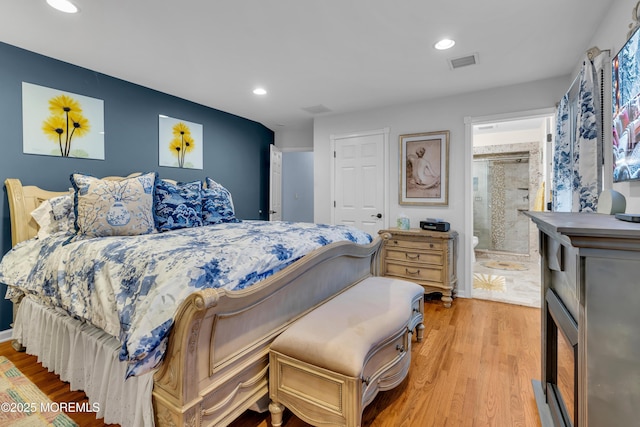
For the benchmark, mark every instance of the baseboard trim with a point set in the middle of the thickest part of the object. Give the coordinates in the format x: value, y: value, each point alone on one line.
x: 543, y: 408
x: 6, y: 335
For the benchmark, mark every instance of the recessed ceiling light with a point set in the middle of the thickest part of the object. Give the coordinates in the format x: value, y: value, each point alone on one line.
x: 63, y: 6
x: 259, y: 91
x: 444, y: 44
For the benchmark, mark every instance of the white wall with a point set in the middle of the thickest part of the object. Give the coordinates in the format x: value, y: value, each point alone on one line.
x: 612, y: 34
x: 449, y: 114
x: 296, y: 139
x: 511, y: 137
x: 427, y: 116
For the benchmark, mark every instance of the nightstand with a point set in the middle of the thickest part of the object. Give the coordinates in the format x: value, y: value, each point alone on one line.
x: 424, y: 257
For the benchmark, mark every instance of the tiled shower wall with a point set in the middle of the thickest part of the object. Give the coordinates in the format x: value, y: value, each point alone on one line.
x: 509, y: 186
x: 499, y: 221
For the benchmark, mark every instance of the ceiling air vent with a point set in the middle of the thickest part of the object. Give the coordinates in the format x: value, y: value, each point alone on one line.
x: 463, y: 61
x: 317, y: 109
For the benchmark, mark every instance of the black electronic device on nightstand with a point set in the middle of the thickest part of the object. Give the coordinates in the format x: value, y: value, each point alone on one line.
x: 434, y: 225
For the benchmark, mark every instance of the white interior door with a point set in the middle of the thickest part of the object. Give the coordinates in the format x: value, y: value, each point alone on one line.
x: 275, y: 184
x: 359, y: 182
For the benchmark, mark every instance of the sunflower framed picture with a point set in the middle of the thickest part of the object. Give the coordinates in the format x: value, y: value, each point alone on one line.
x: 62, y: 124
x: 180, y: 143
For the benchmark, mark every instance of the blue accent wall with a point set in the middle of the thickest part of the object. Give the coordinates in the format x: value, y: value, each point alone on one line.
x: 235, y: 150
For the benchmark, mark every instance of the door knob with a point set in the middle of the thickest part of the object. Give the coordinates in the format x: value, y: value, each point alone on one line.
x: 377, y: 215
x: 272, y: 212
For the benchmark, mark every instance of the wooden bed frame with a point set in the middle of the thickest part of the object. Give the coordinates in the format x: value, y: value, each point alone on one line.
x: 216, y: 363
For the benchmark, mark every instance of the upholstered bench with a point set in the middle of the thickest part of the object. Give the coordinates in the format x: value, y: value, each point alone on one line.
x: 331, y: 363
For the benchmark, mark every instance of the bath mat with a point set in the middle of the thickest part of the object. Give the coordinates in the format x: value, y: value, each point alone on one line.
x: 505, y: 265
x: 22, y: 403
x: 489, y: 282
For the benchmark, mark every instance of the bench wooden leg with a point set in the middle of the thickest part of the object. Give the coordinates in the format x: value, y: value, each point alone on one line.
x: 276, y: 410
x: 420, y: 331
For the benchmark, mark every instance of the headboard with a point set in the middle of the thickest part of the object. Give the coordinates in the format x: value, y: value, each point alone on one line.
x: 24, y: 199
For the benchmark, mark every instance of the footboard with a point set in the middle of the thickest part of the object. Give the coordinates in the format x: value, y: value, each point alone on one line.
x: 216, y: 366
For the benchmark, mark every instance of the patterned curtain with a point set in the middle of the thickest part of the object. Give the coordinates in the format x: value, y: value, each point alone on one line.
x: 562, y: 160
x: 578, y: 154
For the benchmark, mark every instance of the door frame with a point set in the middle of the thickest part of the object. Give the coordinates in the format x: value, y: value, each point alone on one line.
x: 385, y: 167
x: 277, y: 186
x: 466, y: 289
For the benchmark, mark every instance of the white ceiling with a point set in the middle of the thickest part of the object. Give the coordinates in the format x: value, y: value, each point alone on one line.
x: 344, y: 55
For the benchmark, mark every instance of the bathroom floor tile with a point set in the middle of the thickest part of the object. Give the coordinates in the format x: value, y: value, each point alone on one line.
x: 521, y: 287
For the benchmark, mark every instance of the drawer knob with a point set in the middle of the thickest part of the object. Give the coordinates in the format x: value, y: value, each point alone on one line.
x: 412, y: 256
x: 411, y: 271
x: 431, y: 245
x: 400, y: 348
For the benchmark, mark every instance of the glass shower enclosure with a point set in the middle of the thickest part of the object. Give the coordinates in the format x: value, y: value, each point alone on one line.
x: 500, y: 196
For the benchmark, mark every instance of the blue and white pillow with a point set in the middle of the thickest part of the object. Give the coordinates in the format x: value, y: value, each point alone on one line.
x: 62, y: 212
x: 217, y: 204
x: 54, y: 216
x: 113, y: 207
x: 178, y: 205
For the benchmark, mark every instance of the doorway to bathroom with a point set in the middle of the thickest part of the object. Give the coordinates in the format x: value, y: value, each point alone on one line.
x: 508, y: 176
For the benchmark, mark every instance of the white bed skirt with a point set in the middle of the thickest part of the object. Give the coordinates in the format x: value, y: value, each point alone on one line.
x: 87, y: 358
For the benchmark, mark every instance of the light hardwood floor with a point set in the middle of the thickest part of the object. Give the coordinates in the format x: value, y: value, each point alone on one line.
x: 474, y: 368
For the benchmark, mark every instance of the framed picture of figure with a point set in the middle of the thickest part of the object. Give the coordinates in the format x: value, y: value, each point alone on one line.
x: 424, y: 168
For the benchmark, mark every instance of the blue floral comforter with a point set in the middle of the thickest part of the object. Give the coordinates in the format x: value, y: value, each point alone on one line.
x: 132, y: 286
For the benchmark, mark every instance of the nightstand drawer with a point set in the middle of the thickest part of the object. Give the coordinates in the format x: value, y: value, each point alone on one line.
x: 421, y: 256
x: 415, y: 272
x: 413, y: 244
x: 435, y: 258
